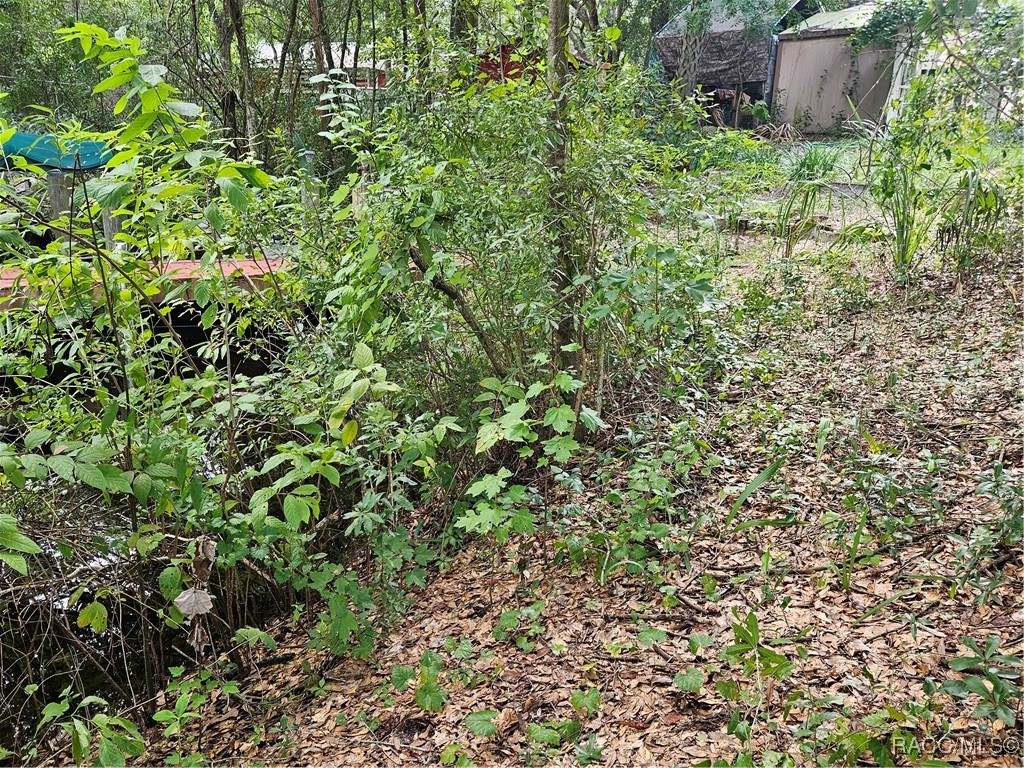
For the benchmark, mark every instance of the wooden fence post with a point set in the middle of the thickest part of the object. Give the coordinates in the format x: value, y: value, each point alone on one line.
x: 59, y: 186
x: 112, y: 224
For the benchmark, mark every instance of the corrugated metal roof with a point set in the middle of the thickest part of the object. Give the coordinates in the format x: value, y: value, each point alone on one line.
x: 832, y: 22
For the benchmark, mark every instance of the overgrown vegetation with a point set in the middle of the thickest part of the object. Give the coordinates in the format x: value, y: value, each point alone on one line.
x: 549, y: 334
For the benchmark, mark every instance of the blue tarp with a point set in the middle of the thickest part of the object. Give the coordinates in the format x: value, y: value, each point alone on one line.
x: 47, y: 151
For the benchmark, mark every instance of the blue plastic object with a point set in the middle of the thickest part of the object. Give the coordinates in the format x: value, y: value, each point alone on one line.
x: 45, y: 150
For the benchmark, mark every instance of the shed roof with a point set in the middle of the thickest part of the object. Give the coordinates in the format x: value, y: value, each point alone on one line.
x: 831, y: 23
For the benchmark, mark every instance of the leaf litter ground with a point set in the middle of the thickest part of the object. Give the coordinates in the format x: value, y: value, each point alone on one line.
x: 928, y: 381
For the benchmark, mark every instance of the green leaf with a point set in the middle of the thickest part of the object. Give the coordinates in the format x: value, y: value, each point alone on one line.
x: 109, y: 754
x: 55, y: 709
x: 34, y: 466
x: 62, y: 466
x: 169, y: 582
x: 17, y: 562
x: 488, y: 436
x: 93, y: 615
x: 349, y: 432
x: 489, y: 485
x: 252, y: 637
x: 963, y: 662
x: 542, y: 735
x: 698, y: 640
x: 362, y: 356
x: 114, y: 81
x: 483, y: 518
x: 110, y: 194
x: 92, y: 475
x: 586, y: 701
x: 955, y: 688
x: 36, y: 438
x: 12, y: 539
x: 401, y: 676
x: 561, y: 448
x: 142, y: 487
x: 450, y: 754
x: 752, y: 486
x: 431, y: 697
x: 569, y: 730
x: 234, y: 191
x: 296, y: 510
x: 650, y: 636
x: 138, y: 125
x: 482, y: 723
x: 183, y: 108
x: 560, y: 418
x: 80, y: 739
x: 152, y: 74
x: 255, y: 176
x: 690, y: 681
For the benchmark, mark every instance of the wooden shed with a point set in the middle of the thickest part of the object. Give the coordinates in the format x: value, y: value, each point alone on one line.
x: 818, y: 76
x: 726, y: 48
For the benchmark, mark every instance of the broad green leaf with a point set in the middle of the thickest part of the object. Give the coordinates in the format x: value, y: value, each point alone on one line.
x: 62, y: 466
x: 586, y: 701
x: 253, y: 637
x: 362, y: 356
x: 431, y: 697
x: 17, y: 562
x: 349, y: 432
x: 489, y: 485
x: 93, y: 615
x: 36, y: 438
x: 109, y: 755
x: 401, y: 676
x: 542, y: 735
x: 560, y: 418
x: 235, y: 192
x: 142, y: 487
x: 169, y: 582
x: 152, y: 74
x: 650, y: 636
x: 296, y: 511
x: 12, y: 539
x: 91, y: 475
x: 488, y: 436
x: 482, y: 723
x: 138, y: 125
x: 690, y: 681
x: 483, y: 518
x: 699, y: 640
x: 183, y: 108
x: 114, y: 81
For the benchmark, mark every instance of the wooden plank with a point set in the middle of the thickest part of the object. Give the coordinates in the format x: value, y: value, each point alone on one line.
x: 253, y: 274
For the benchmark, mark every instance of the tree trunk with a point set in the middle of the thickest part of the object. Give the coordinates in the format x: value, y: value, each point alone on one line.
x: 237, y: 13
x: 228, y: 94
x: 465, y: 19
x: 419, y: 12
